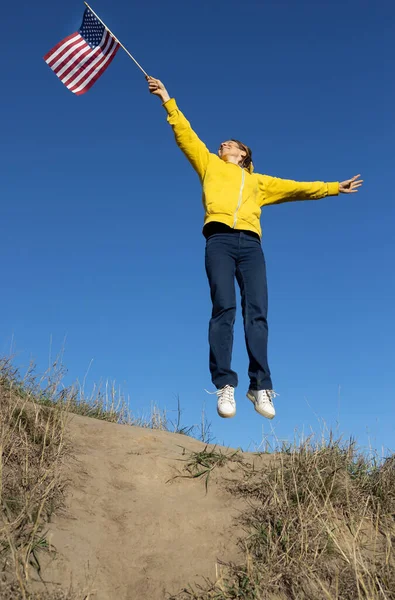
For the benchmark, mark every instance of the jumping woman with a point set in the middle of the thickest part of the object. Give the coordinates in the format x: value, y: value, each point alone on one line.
x: 233, y: 196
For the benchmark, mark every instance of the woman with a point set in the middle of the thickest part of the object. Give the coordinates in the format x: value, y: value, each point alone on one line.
x: 233, y: 197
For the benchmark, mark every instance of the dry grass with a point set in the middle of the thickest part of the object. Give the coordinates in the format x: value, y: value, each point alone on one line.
x: 320, y: 526
x: 32, y: 448
x: 12, y: 591
x: 106, y: 401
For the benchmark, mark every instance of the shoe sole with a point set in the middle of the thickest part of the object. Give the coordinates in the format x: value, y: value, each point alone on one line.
x: 226, y: 416
x: 263, y: 414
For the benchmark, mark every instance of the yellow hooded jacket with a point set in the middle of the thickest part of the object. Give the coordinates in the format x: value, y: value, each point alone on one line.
x: 231, y: 194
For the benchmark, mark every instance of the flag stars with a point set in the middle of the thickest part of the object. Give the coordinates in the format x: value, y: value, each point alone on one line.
x: 91, y: 29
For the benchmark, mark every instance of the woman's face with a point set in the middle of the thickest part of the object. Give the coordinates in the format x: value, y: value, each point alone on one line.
x: 231, y: 152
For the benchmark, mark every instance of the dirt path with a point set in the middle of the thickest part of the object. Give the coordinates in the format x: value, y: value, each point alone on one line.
x: 129, y: 533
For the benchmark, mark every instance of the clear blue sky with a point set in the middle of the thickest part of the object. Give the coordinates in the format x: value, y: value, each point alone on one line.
x: 101, y: 213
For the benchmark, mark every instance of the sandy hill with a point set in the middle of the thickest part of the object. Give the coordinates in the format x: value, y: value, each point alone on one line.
x: 92, y: 510
x: 132, y: 529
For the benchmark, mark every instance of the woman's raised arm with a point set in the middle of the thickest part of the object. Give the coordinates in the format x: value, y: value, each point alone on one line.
x: 194, y: 149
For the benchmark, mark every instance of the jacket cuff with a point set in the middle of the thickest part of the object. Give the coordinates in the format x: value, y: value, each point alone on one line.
x: 170, y: 105
x: 333, y: 188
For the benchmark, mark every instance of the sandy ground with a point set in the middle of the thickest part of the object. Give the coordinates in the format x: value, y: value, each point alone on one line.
x: 131, y: 530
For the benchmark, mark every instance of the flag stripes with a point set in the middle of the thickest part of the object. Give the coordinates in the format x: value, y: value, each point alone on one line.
x: 77, y: 63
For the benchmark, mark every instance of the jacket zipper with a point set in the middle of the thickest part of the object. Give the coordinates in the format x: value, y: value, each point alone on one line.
x: 240, y: 197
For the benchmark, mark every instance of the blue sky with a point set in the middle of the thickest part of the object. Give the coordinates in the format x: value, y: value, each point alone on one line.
x: 101, y: 239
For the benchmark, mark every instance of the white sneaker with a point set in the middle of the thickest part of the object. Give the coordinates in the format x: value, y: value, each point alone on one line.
x: 263, y: 402
x: 226, y: 405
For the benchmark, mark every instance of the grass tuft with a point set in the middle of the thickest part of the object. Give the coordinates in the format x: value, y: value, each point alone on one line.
x: 202, y: 464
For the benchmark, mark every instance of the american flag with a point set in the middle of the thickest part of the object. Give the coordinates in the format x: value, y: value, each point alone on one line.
x: 83, y: 56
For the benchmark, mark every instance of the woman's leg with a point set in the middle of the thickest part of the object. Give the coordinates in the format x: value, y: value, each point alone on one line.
x: 251, y: 277
x: 221, y: 254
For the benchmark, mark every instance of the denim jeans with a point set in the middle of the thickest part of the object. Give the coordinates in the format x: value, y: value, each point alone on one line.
x: 240, y: 256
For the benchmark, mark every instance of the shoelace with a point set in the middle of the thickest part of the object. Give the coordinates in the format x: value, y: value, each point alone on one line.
x: 224, y: 394
x: 271, y: 394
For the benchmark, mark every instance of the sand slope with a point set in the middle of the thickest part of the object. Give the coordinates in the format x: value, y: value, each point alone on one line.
x: 130, y: 530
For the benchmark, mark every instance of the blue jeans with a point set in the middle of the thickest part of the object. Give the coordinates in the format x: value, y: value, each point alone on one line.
x: 240, y: 256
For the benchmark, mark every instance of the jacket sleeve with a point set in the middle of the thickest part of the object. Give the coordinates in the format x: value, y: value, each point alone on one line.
x: 275, y: 191
x: 193, y: 148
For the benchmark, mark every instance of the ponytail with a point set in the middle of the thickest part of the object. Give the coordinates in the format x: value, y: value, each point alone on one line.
x: 246, y: 163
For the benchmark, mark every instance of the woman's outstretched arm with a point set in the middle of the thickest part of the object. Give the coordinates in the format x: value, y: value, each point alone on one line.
x: 275, y: 191
x: 193, y: 148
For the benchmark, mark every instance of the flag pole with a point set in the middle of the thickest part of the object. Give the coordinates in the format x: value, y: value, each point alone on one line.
x: 116, y: 39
